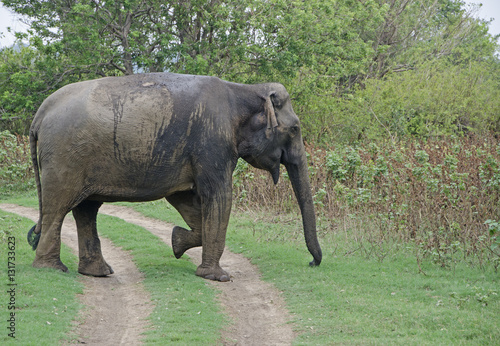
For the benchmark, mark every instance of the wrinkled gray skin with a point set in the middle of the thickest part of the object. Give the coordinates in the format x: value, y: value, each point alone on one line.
x: 150, y: 136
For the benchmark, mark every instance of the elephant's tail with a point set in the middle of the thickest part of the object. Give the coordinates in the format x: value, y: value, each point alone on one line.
x: 33, y: 238
x: 35, y: 231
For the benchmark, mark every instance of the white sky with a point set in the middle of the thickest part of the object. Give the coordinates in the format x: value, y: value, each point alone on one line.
x: 490, y: 9
x: 7, y: 19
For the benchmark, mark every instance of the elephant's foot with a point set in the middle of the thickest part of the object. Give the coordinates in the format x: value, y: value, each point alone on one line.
x: 215, y: 273
x: 183, y: 239
x: 54, y: 263
x: 94, y: 268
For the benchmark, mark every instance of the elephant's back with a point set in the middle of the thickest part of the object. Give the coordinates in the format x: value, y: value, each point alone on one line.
x: 61, y: 106
x: 117, y: 107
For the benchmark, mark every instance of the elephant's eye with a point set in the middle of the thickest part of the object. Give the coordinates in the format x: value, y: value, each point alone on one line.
x: 294, y: 130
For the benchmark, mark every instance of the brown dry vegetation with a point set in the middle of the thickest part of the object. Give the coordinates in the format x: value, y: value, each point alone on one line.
x: 435, y: 194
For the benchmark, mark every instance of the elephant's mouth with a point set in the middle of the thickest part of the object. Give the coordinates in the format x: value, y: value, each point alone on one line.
x: 270, y: 164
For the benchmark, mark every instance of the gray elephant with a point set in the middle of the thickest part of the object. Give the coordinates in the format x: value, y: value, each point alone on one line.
x: 161, y: 135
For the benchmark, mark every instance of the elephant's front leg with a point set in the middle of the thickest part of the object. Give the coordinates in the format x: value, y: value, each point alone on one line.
x: 215, y: 218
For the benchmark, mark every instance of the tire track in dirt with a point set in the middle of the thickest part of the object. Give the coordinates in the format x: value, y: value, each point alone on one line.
x: 117, y: 306
x: 256, y: 307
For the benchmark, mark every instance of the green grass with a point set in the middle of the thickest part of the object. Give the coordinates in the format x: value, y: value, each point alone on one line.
x: 45, y: 299
x: 353, y: 300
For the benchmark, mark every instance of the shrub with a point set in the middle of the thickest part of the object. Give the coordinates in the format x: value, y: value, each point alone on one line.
x: 432, y: 100
x: 15, y: 166
x: 434, y: 194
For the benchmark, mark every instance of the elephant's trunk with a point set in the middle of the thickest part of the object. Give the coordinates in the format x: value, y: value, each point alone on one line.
x: 299, y: 177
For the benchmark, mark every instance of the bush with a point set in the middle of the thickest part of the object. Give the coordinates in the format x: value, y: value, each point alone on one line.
x: 434, y: 100
x: 433, y: 194
x: 15, y: 164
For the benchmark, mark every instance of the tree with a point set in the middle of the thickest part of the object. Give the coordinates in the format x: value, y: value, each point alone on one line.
x: 326, y: 52
x: 138, y: 35
x: 27, y: 76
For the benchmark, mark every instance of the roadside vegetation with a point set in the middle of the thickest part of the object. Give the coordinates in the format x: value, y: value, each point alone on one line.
x: 440, y: 198
x: 16, y: 172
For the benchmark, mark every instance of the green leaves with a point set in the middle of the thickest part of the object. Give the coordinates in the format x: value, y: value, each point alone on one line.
x: 15, y: 168
x: 356, y: 70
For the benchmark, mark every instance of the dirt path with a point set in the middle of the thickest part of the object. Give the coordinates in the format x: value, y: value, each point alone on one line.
x: 116, y: 306
x: 255, y: 307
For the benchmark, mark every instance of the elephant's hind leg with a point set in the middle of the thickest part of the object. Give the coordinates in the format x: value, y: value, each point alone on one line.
x: 188, y: 205
x: 89, y: 245
x: 48, y: 249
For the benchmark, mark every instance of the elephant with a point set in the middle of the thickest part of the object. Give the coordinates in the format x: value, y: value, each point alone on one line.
x: 145, y: 137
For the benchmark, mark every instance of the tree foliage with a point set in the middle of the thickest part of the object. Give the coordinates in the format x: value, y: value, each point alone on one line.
x: 355, y: 68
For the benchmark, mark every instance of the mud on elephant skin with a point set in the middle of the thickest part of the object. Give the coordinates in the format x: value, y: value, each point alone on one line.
x: 161, y: 135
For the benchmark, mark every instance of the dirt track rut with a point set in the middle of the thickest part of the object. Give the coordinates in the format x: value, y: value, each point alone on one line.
x: 117, y: 306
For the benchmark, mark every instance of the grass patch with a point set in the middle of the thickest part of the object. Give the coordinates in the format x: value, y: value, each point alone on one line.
x: 27, y: 199
x: 352, y: 299
x: 159, y: 209
x: 45, y: 299
x: 185, y: 311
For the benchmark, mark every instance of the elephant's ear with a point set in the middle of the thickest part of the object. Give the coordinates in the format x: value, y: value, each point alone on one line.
x: 272, y: 122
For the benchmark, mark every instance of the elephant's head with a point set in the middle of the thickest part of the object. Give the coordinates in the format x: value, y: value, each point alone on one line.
x: 271, y: 136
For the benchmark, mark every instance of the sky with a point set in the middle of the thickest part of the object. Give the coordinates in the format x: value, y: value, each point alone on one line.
x: 490, y: 9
